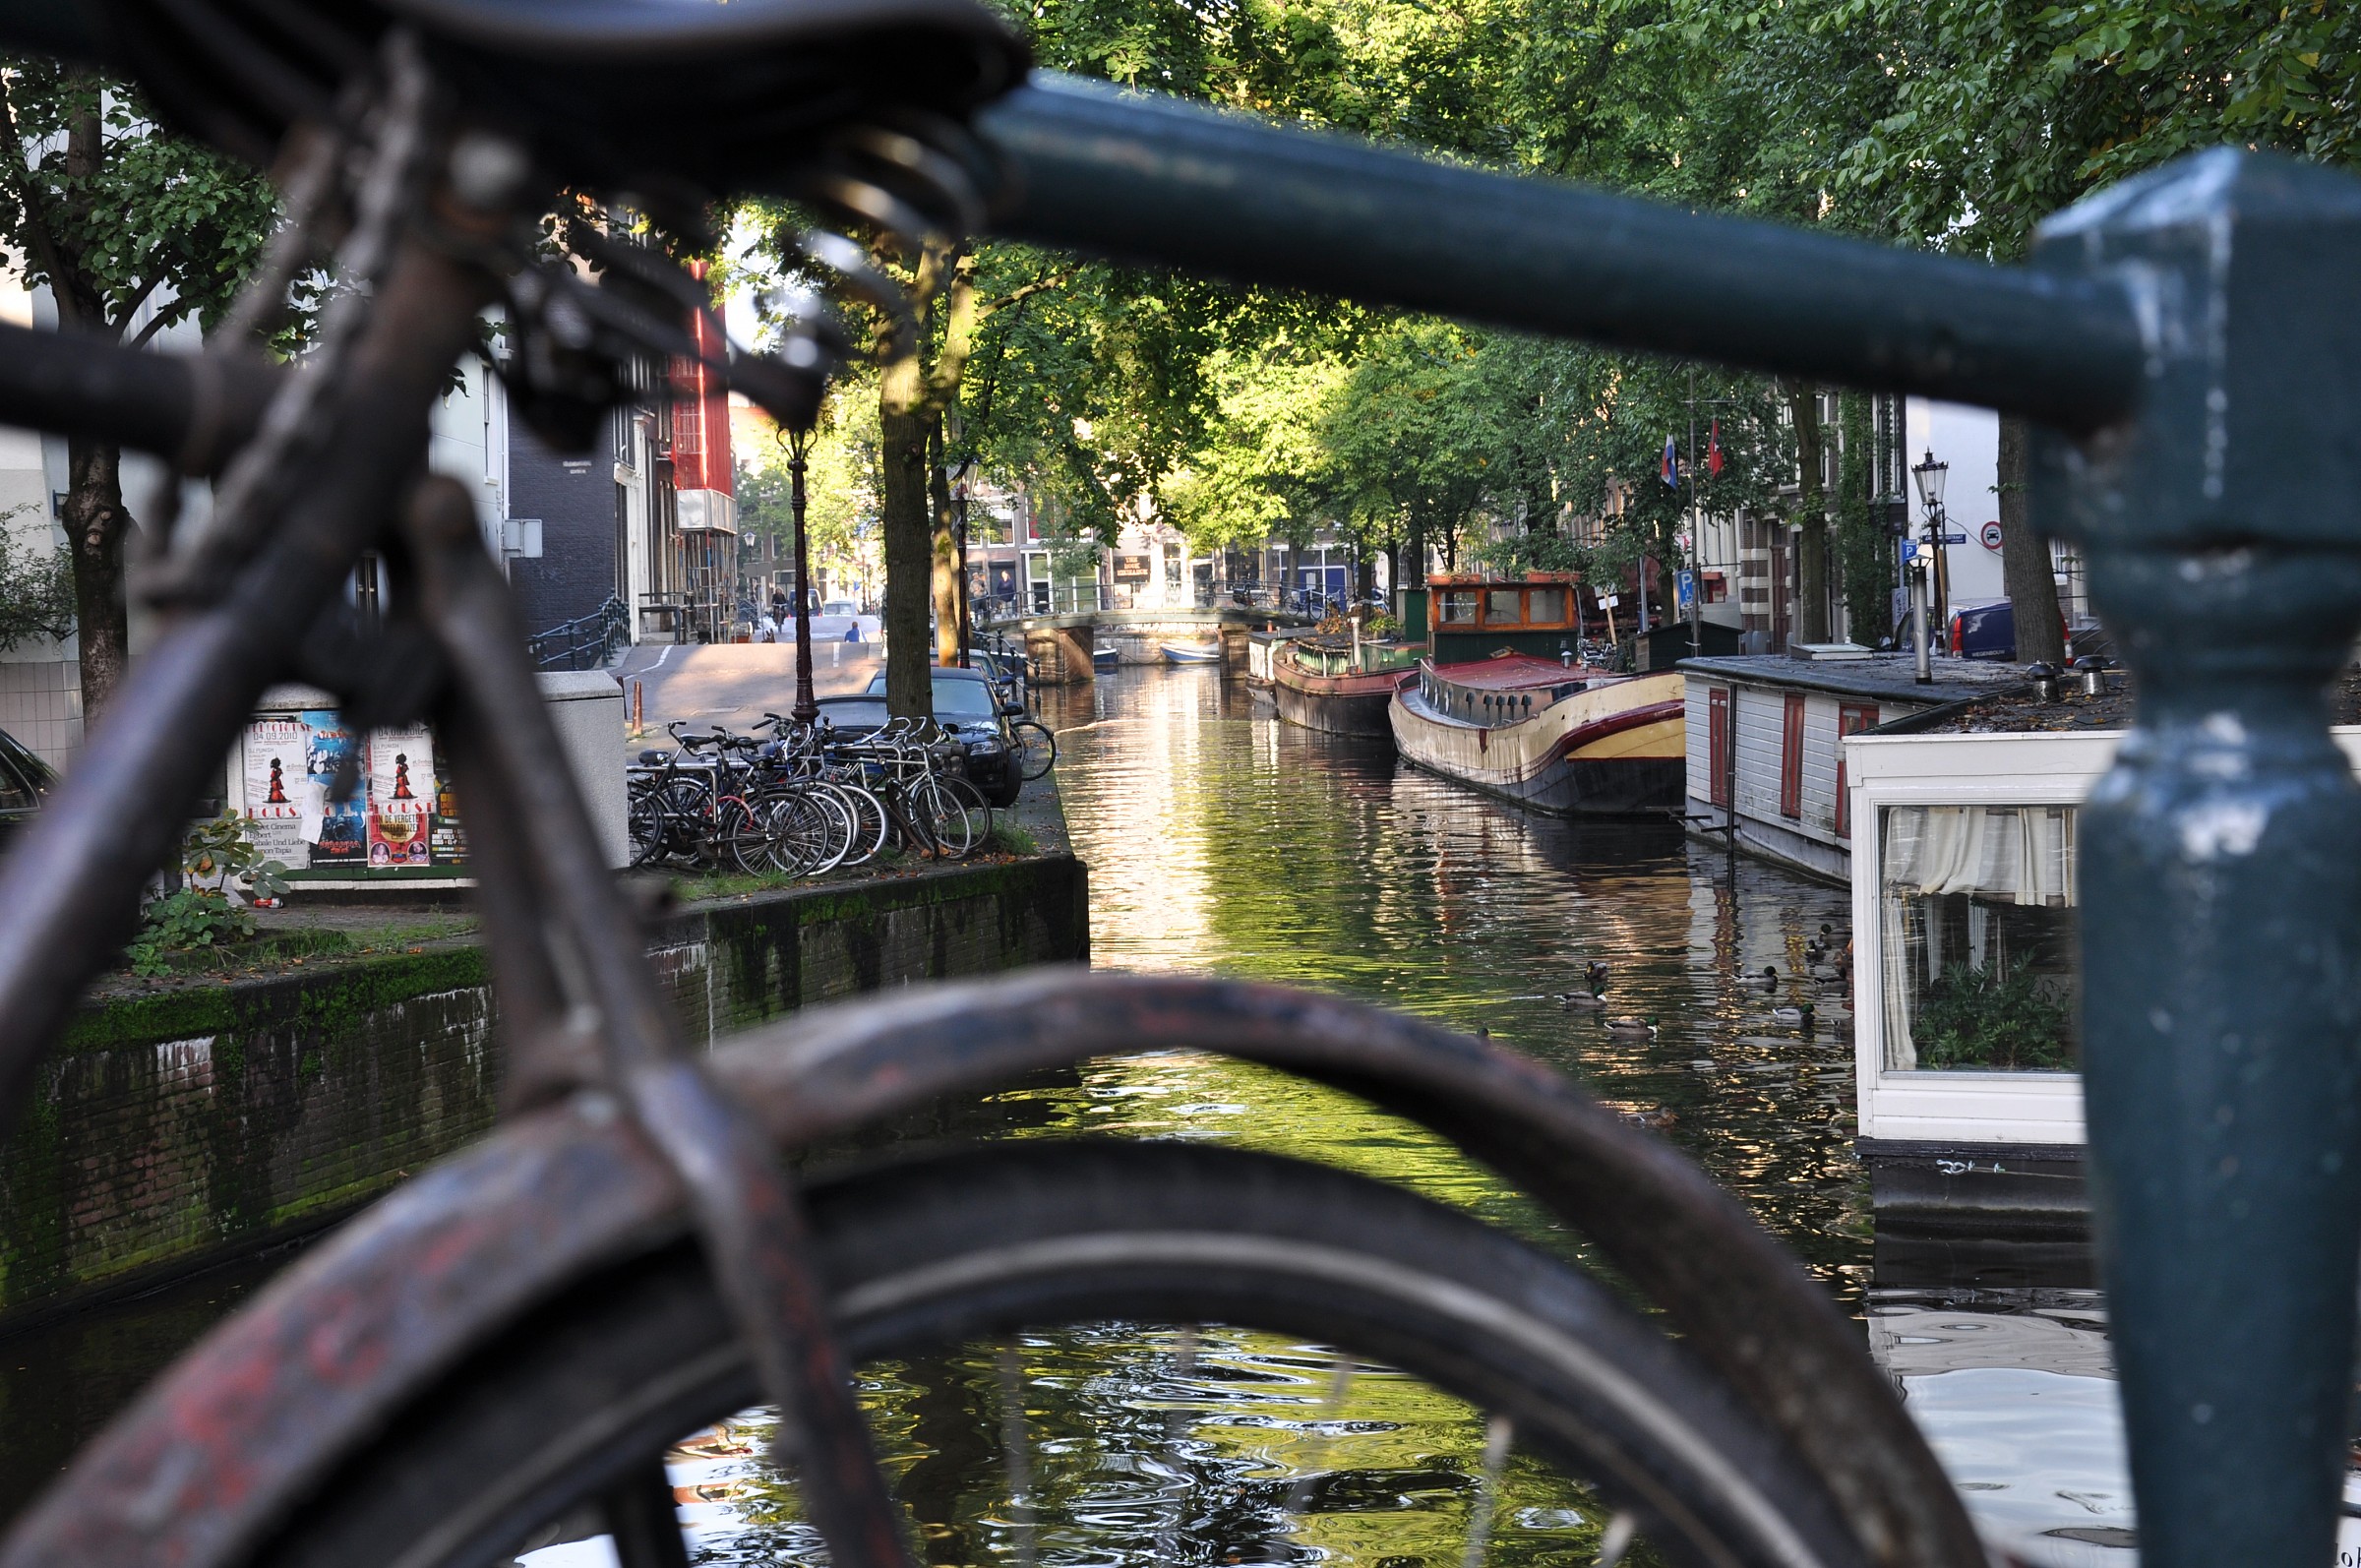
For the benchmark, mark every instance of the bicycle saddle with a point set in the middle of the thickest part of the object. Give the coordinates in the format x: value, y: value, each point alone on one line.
x: 660, y: 98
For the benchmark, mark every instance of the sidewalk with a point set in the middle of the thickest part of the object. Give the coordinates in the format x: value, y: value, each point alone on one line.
x: 732, y: 684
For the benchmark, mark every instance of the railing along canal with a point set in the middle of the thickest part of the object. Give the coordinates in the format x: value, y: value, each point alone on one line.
x: 2190, y: 345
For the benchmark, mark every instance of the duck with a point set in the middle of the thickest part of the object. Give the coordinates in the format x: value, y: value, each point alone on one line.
x: 1645, y: 1027
x: 1768, y: 980
x: 1800, y: 1013
x: 1592, y: 995
x: 1817, y: 947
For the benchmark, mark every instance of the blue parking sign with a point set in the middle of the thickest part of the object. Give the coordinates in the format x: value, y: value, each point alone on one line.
x: 1684, y: 590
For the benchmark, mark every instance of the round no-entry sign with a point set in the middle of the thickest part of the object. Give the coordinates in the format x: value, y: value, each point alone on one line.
x: 1990, y: 533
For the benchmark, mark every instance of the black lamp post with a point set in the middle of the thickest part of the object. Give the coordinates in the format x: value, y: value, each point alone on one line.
x: 807, y: 703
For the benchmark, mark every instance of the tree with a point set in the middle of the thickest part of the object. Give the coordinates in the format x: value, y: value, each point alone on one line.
x: 1865, y: 548
x: 132, y: 229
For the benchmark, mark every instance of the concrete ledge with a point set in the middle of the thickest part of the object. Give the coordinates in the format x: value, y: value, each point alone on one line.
x: 174, y: 1131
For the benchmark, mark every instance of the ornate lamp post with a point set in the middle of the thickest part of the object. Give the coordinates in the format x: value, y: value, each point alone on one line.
x: 807, y: 703
x: 1930, y: 476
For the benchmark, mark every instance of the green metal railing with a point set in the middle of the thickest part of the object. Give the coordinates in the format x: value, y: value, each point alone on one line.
x: 2190, y: 342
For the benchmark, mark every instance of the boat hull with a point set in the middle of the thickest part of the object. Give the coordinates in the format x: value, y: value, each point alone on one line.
x: 1613, y: 750
x: 1335, y: 704
x: 1190, y: 653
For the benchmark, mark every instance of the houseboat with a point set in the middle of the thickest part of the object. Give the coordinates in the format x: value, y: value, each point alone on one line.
x: 1546, y: 733
x: 1263, y: 645
x: 1764, y: 771
x: 1339, y: 683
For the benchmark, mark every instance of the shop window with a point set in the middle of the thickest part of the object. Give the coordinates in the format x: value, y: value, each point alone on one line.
x: 1977, y: 922
x: 1455, y: 607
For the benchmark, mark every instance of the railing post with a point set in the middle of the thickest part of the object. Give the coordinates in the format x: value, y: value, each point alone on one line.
x: 2221, y: 857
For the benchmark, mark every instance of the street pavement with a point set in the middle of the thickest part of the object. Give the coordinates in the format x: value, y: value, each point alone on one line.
x: 731, y: 683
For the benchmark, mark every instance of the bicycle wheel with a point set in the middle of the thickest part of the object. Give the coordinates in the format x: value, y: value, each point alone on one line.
x: 741, y: 836
x: 953, y: 814
x: 1283, y: 1361
x: 648, y: 827
x: 1037, y: 748
x: 800, y: 836
x: 871, y: 827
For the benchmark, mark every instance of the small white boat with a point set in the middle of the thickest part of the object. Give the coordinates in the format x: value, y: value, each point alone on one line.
x: 1193, y: 652
x: 1106, y: 658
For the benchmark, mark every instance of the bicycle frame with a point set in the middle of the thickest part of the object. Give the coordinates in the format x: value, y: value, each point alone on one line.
x: 2158, y: 336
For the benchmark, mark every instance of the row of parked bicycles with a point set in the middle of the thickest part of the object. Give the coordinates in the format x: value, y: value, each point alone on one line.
x: 804, y: 800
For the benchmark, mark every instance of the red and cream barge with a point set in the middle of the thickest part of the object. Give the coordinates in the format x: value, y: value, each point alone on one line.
x: 1547, y: 733
x: 1338, y: 684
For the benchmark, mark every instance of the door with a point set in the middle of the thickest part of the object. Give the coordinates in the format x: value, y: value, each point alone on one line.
x: 1851, y: 719
x: 1717, y: 744
x: 1791, y: 757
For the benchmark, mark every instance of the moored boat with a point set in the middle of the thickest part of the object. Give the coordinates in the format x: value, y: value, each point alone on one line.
x: 1551, y: 736
x: 1330, y: 683
x: 1105, y: 658
x: 1191, y: 653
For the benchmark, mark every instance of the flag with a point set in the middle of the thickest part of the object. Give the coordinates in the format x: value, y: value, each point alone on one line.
x: 1671, y: 471
x: 1712, y: 451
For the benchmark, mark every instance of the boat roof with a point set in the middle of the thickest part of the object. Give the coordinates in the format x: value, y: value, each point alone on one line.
x: 1516, y: 672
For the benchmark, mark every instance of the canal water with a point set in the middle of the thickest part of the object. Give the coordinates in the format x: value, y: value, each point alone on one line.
x: 1223, y: 841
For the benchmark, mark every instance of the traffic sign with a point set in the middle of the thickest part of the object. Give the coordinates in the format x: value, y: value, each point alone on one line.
x: 1909, y: 548
x: 1955, y: 538
x: 1684, y: 590
x: 1610, y: 600
x: 1990, y: 534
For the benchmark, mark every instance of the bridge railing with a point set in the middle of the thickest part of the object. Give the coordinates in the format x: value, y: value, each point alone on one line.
x: 2190, y: 343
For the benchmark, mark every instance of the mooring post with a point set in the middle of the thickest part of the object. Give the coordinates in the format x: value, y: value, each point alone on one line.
x: 2221, y: 857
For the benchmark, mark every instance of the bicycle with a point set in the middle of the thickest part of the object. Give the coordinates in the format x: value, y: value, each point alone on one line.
x: 520, y: 1331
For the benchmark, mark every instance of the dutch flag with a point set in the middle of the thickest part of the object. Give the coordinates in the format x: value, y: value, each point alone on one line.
x: 1671, y: 468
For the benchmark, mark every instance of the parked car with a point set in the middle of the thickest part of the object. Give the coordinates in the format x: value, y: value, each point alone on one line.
x: 968, y: 704
x: 25, y: 784
x: 1987, y: 630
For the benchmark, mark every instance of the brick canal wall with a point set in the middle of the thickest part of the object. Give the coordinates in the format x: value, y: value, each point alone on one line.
x: 172, y: 1130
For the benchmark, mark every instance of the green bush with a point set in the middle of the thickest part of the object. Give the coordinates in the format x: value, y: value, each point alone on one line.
x: 1988, y: 1017
x: 198, y: 913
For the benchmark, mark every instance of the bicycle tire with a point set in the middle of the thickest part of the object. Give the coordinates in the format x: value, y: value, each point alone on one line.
x: 741, y: 836
x: 873, y: 829
x: 941, y: 1249
x: 645, y: 822
x: 1037, y: 749
x: 945, y: 810
x: 979, y: 811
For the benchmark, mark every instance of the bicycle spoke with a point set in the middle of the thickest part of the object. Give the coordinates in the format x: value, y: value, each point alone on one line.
x: 1016, y: 1458
x: 641, y: 1517
x: 1498, y: 1434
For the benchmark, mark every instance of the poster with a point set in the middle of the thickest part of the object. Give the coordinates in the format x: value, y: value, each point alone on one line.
x: 275, y: 751
x: 401, y: 797
x: 336, y: 833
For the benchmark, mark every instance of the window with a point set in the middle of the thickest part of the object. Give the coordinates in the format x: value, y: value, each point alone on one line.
x: 1976, y: 927
x: 1456, y: 607
x: 1503, y: 607
x: 1545, y: 606
x: 1851, y: 719
x: 1718, y: 744
x: 1791, y: 757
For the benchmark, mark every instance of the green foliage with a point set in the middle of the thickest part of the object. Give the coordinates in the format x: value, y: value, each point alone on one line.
x: 840, y: 479
x: 1992, y: 1017
x: 37, y: 586
x: 197, y: 912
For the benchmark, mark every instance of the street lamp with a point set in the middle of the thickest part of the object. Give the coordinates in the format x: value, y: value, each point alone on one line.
x: 807, y: 702
x: 1930, y: 476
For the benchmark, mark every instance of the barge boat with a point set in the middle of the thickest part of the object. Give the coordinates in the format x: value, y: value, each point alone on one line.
x: 1549, y: 735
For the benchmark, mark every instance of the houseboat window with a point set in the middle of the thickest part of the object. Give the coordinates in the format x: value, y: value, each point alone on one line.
x: 1457, y: 607
x: 1503, y: 607
x: 1545, y: 606
x: 1976, y: 933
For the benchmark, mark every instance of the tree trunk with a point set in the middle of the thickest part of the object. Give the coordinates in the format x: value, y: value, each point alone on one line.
x: 944, y: 559
x: 909, y: 541
x: 2024, y: 569
x: 96, y: 526
x: 1811, y: 515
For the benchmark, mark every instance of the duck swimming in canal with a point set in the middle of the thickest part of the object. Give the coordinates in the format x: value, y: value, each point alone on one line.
x: 1801, y: 1014
x: 1768, y: 980
x: 1595, y: 976
x: 1639, y: 1028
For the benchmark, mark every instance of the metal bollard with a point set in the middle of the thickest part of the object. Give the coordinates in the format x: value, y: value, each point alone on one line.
x: 2221, y: 915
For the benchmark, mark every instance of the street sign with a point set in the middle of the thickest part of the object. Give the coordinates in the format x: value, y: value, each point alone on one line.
x: 1610, y: 600
x: 1955, y: 538
x: 1990, y: 534
x: 1909, y: 548
x: 1684, y: 590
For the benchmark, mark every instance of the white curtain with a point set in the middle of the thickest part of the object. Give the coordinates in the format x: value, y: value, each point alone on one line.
x: 2024, y: 854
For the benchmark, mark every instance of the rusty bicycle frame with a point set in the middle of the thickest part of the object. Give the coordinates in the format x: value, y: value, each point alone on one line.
x: 2158, y: 337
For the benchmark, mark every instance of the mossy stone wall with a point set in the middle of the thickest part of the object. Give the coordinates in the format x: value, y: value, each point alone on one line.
x: 172, y: 1130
